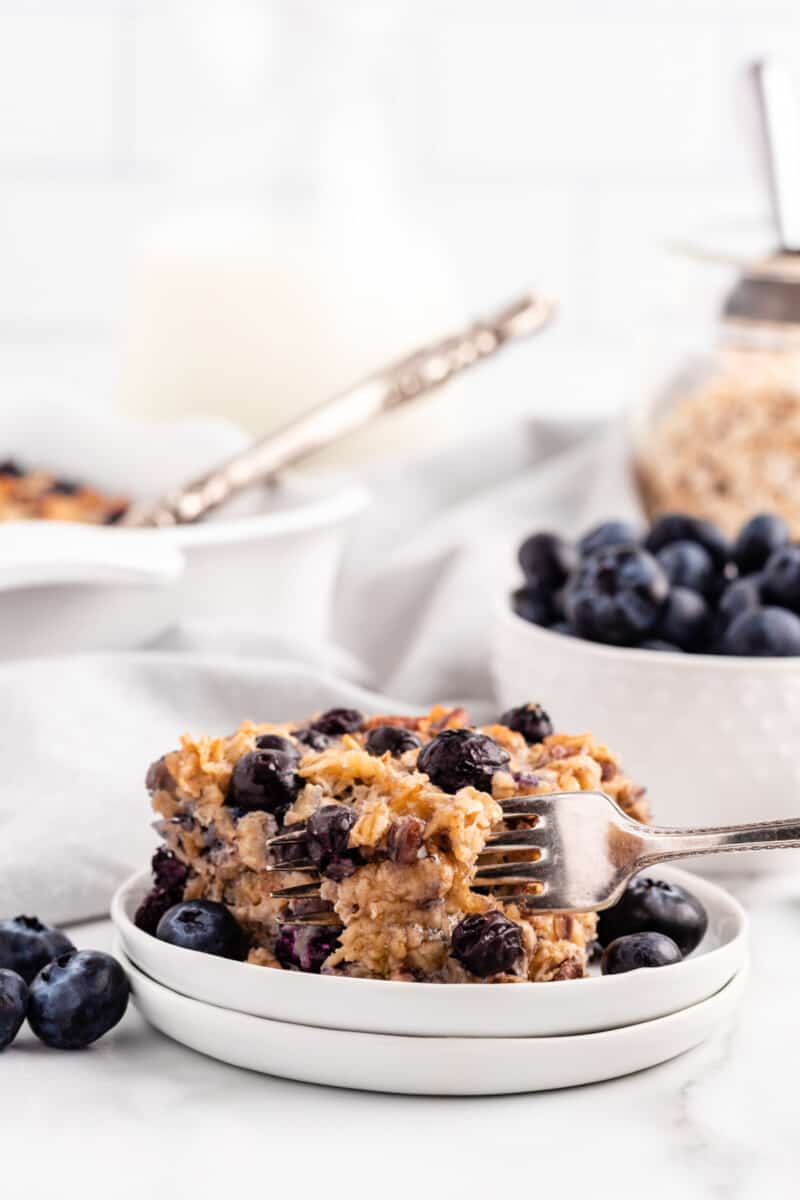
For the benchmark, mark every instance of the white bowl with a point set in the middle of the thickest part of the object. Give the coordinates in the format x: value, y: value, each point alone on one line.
x: 714, y: 739
x: 447, y: 1010
x: 269, y: 560
x: 437, y: 1066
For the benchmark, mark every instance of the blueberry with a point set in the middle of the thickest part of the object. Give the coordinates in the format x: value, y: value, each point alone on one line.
x: 169, y: 880
x: 546, y: 561
x: 689, y: 565
x: 264, y: 780
x: 26, y: 945
x: 532, y: 605
x: 530, y: 720
x: 9, y: 467
x: 660, y: 645
x: 616, y: 596
x: 13, y: 1005
x: 757, y: 540
x: 328, y: 838
x: 780, y: 581
x: 743, y: 595
x: 274, y: 741
x: 158, y: 778
x: 391, y: 738
x: 563, y: 628
x: 680, y: 527
x: 305, y: 947
x: 685, y: 620
x: 653, y: 905
x: 64, y: 487
x: 637, y: 950
x: 458, y: 758
x: 764, y: 633
x: 77, y: 998
x: 313, y: 738
x: 203, y: 925
x: 487, y: 943
x: 337, y: 721
x: 610, y: 533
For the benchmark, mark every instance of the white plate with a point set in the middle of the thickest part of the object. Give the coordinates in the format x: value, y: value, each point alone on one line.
x: 426, y: 1066
x: 451, y: 1010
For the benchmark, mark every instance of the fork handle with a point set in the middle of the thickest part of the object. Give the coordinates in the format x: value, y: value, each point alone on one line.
x: 660, y: 844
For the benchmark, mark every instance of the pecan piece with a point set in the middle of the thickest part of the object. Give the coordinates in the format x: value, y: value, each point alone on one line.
x: 404, y: 840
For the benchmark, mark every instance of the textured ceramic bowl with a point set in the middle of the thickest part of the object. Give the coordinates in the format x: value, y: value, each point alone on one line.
x: 715, y: 740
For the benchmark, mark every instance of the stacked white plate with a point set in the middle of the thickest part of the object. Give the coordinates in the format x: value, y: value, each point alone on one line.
x: 434, y: 1039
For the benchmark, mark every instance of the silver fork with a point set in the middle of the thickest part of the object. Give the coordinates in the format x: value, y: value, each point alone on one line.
x: 586, y: 849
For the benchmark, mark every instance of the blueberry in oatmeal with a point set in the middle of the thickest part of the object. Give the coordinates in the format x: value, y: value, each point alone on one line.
x: 203, y: 925
x: 264, y: 781
x: 26, y: 945
x: 488, y: 944
x: 305, y: 947
x: 13, y: 1005
x: 328, y: 840
x: 169, y: 880
x: 391, y: 739
x: 763, y: 633
x: 616, y: 595
x: 337, y: 721
x: 636, y: 950
x: 274, y: 741
x: 315, y: 739
x: 77, y: 998
x: 654, y: 905
x: 458, y: 758
x: 530, y: 720
x: 378, y: 852
x: 757, y: 540
x: 546, y: 561
x: 37, y: 494
x: 610, y: 533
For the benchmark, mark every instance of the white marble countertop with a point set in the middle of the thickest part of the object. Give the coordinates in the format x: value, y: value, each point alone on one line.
x: 140, y: 1116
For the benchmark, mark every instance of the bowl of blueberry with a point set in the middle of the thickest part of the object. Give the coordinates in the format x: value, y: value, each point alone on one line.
x: 682, y: 645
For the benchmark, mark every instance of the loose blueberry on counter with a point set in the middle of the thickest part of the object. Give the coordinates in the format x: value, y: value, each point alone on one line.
x: 533, y: 605
x: 610, y: 533
x: 763, y: 633
x: 26, y: 945
x: 487, y: 943
x: 679, y: 527
x: 327, y: 841
x: 205, y: 926
x: 689, y: 565
x: 337, y: 721
x: 530, y: 720
x: 264, y: 781
x: 392, y: 739
x: 616, y: 596
x: 685, y: 620
x: 546, y: 561
x: 313, y: 738
x: 780, y: 580
x: 169, y: 880
x: 636, y: 950
x: 656, y: 906
x: 77, y: 998
x: 458, y: 758
x: 274, y: 741
x: 305, y: 947
x: 757, y: 540
x: 13, y: 1005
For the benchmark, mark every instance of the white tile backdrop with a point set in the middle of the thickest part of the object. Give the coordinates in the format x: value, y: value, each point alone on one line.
x: 556, y: 141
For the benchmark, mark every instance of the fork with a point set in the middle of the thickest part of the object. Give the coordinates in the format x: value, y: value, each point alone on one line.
x: 585, y: 850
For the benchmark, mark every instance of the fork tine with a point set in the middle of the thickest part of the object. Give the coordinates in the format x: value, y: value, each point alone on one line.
x: 322, y: 917
x: 294, y: 893
x: 517, y: 839
x: 303, y: 866
x: 526, y: 806
x: 509, y: 873
x: 286, y: 839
